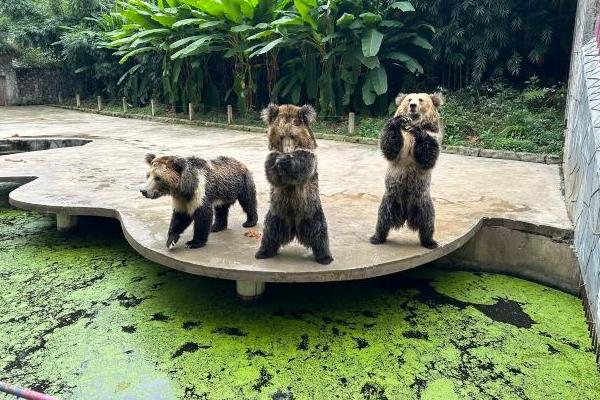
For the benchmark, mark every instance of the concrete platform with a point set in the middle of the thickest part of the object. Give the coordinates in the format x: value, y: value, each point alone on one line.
x: 102, y: 178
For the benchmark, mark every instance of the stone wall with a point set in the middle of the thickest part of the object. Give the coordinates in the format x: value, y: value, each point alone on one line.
x: 41, y: 86
x: 34, y: 86
x: 7, y: 71
x: 581, y: 158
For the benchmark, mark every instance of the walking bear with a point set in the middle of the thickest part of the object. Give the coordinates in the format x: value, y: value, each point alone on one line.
x: 291, y: 168
x: 410, y: 144
x: 200, y: 188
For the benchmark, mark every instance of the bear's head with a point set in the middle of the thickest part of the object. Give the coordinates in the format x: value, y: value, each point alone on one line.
x: 289, y: 127
x: 420, y: 107
x: 164, y: 176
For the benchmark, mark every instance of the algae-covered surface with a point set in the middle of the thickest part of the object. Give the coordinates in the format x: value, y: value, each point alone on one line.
x: 85, y: 317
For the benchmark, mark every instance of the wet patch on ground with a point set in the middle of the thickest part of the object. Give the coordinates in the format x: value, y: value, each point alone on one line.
x: 85, y: 317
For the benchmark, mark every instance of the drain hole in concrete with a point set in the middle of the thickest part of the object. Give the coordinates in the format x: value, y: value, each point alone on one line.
x: 22, y: 145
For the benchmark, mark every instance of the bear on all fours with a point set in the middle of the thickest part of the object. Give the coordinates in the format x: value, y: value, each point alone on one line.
x: 410, y: 143
x: 295, y: 209
x: 200, y: 189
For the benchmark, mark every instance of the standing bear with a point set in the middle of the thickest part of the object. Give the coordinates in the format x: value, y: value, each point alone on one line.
x: 200, y: 188
x: 291, y: 168
x: 410, y: 143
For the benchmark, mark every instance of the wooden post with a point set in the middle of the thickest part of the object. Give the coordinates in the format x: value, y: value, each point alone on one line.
x: 351, y: 126
x: 191, y: 111
x: 78, y: 100
x: 124, y: 104
x: 59, y: 98
x: 229, y: 114
x: 99, y: 103
x: 152, y: 106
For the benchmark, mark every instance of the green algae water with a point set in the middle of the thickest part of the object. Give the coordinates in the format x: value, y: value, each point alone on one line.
x: 85, y: 317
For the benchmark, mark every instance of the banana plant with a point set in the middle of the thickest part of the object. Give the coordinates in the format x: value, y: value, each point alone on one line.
x: 353, y: 48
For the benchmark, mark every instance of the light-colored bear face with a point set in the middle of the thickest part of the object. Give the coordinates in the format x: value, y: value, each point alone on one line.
x: 163, y: 176
x: 420, y: 107
x: 289, y: 127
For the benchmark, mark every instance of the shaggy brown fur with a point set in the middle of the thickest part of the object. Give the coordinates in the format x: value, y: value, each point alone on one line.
x: 289, y: 127
x: 410, y: 143
x: 291, y: 168
x: 199, y: 189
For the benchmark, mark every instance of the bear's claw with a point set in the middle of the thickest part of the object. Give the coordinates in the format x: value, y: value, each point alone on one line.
x: 172, y: 240
x: 430, y: 245
x: 263, y: 254
x: 218, y: 228
x: 192, y: 244
x: 376, y: 240
x: 324, y: 260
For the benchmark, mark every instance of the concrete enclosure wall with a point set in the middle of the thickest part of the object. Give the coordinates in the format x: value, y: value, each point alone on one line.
x: 8, y: 72
x: 581, y: 158
x: 33, y: 86
x: 38, y: 86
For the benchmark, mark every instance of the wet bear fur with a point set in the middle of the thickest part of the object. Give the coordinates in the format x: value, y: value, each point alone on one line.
x: 291, y: 168
x: 200, y: 189
x: 410, y: 143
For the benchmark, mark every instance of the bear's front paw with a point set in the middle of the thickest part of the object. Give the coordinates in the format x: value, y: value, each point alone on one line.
x: 195, y: 244
x: 324, y: 260
x: 398, y: 122
x: 283, y: 164
x: 375, y: 239
x: 172, y: 240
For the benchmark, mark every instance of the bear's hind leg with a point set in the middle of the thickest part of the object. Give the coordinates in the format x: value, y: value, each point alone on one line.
x: 422, y: 218
x: 390, y: 215
x: 313, y: 233
x: 276, y: 233
x: 221, y: 214
x: 202, y: 222
x: 247, y: 199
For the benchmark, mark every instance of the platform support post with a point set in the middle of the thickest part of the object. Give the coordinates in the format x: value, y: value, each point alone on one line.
x: 124, y: 104
x: 249, y: 291
x: 78, y: 100
x: 99, y: 103
x: 191, y: 111
x: 66, y: 223
x: 152, y: 106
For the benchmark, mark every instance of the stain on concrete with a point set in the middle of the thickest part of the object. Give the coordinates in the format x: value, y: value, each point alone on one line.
x: 86, y: 317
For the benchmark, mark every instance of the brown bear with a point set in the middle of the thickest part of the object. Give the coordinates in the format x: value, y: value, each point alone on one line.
x: 410, y: 141
x: 291, y: 168
x: 200, y: 188
x: 423, y: 110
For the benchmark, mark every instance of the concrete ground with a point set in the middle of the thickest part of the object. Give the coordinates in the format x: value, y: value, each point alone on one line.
x: 102, y: 179
x: 85, y: 317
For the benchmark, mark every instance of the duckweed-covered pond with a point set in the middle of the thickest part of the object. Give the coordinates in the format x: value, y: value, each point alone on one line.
x: 85, y: 317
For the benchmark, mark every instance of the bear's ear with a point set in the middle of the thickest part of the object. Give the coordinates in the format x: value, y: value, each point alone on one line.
x: 399, y: 98
x: 149, y: 158
x: 307, y: 114
x: 270, y: 113
x: 179, y: 164
x: 437, y: 99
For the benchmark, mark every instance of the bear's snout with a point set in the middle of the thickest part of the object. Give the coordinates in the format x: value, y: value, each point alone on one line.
x: 144, y: 192
x: 413, y: 106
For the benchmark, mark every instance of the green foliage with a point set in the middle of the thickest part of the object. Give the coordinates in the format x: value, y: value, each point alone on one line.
x: 330, y: 53
x: 478, y: 40
x: 498, y: 117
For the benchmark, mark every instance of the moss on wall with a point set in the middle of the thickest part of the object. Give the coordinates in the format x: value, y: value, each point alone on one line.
x: 85, y: 317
